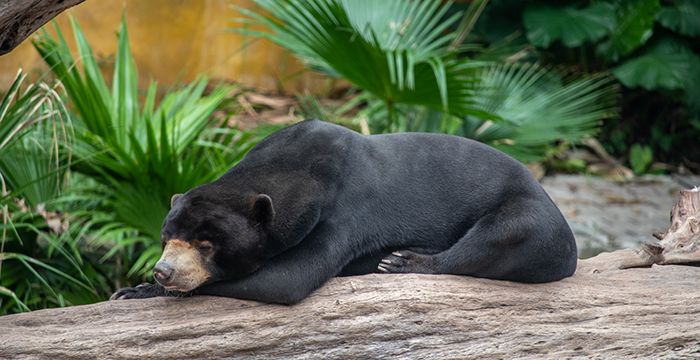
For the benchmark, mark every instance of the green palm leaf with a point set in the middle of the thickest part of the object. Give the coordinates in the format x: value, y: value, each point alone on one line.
x: 540, y: 108
x: 396, y: 50
x: 139, y: 150
x: 399, y: 52
x: 33, y: 125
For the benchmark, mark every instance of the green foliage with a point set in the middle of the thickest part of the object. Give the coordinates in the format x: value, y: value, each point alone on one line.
x: 641, y: 157
x: 570, y: 25
x: 32, y: 126
x: 665, y: 65
x: 375, y: 45
x: 138, y: 152
x: 541, y: 108
x: 652, y: 50
x: 38, y: 267
x: 17, y: 110
x: 44, y: 268
x: 635, y: 21
x: 125, y: 153
x: 682, y: 17
x: 414, y: 73
x: 623, y: 25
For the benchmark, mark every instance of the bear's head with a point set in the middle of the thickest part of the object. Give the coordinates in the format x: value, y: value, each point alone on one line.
x: 209, y: 235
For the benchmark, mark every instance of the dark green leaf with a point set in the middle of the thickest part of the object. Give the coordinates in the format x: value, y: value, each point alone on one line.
x: 666, y: 65
x: 682, y: 16
x: 635, y: 21
x: 571, y: 25
x: 692, y: 86
x: 641, y: 158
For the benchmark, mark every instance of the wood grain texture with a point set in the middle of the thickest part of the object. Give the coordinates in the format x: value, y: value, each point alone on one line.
x: 681, y: 242
x: 20, y: 18
x: 598, y: 313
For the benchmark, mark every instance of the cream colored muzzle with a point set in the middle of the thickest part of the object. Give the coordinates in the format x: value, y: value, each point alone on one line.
x: 187, y: 265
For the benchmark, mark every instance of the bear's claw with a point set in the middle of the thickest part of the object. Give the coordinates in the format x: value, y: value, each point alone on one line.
x: 406, y: 262
x: 142, y: 291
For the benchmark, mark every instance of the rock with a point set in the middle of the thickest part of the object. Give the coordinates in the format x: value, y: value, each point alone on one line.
x: 20, y: 18
x: 599, y: 313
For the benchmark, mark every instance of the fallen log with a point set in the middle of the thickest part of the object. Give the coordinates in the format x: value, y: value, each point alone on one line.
x: 599, y: 312
x: 617, y: 305
x: 20, y: 18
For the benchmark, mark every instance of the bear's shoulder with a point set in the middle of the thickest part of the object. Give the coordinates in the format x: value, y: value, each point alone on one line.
x: 304, y: 141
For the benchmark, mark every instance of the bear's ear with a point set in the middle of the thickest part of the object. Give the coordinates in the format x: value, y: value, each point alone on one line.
x: 263, y: 211
x: 174, y: 198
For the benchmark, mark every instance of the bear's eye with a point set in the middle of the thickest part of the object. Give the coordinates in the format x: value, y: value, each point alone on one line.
x: 204, y: 245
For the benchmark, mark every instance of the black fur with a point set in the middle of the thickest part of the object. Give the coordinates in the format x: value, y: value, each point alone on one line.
x: 340, y: 203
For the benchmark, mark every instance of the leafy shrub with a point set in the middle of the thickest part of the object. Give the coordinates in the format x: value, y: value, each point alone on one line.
x: 650, y: 47
x: 39, y: 267
x: 137, y: 154
x: 415, y: 74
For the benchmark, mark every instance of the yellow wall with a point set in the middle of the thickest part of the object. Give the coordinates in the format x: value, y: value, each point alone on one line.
x: 174, y: 41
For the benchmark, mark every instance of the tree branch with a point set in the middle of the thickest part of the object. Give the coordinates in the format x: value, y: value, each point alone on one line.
x: 20, y: 18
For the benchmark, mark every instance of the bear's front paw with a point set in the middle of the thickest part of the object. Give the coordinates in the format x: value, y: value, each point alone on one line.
x: 142, y: 291
x: 407, y: 262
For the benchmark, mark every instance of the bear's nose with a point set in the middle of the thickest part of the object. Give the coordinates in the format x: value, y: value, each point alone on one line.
x: 162, y: 272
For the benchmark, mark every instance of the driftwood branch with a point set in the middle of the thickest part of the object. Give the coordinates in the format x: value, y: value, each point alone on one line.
x: 680, y: 244
x: 20, y: 18
x: 599, y: 313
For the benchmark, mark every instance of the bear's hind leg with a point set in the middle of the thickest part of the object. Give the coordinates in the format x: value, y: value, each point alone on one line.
x: 520, y: 242
x: 407, y: 261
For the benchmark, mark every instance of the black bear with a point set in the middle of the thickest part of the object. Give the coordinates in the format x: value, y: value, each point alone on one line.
x: 317, y: 200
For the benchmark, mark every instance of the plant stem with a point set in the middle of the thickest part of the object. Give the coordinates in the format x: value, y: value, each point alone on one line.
x: 391, y: 109
x: 467, y: 23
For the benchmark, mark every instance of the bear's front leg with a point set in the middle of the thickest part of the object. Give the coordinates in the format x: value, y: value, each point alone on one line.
x: 142, y: 291
x: 291, y: 276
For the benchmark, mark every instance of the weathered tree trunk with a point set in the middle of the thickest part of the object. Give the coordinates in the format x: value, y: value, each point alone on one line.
x: 680, y: 244
x: 634, y: 313
x: 601, y: 312
x: 20, y: 18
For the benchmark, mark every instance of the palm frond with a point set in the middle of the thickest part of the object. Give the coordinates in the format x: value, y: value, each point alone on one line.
x: 34, y: 124
x: 539, y: 107
x: 397, y: 50
x: 404, y: 56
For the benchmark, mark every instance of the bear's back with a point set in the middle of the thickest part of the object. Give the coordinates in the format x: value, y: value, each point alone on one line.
x: 301, y: 144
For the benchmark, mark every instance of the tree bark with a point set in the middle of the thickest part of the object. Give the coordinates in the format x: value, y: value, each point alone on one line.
x: 20, y: 18
x: 600, y: 312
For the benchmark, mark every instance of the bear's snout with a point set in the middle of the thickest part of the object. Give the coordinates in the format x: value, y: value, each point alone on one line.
x: 181, y: 267
x: 163, y: 272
